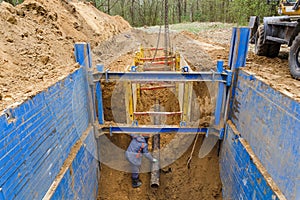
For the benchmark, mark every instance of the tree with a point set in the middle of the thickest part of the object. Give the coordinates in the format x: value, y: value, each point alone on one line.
x: 150, y: 12
x: 13, y: 2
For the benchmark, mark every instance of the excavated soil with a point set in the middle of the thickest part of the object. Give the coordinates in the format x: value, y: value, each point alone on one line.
x: 273, y: 71
x: 37, y: 43
x: 36, y: 50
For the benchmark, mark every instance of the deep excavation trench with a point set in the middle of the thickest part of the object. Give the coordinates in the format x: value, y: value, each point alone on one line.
x: 199, y: 180
x: 44, y: 33
x: 178, y: 180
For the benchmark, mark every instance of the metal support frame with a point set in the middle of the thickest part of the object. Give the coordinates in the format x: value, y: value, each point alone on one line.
x: 161, y: 76
x: 184, y: 78
x: 225, y: 78
x: 129, y: 101
x: 220, y: 96
x: 237, y: 59
x: 99, y: 97
x: 155, y: 129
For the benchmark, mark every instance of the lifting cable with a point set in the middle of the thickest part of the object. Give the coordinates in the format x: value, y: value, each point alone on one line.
x: 158, y: 39
x: 167, y: 35
x: 191, y: 155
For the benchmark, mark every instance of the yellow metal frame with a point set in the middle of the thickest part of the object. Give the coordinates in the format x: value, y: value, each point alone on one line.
x: 129, y: 101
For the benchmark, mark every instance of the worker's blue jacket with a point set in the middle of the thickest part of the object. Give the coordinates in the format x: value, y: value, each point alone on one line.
x: 138, y: 147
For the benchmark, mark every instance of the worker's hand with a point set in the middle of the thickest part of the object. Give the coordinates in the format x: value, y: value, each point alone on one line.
x: 154, y: 160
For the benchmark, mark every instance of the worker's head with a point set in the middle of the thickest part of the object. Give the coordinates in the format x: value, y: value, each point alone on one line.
x: 140, y: 135
x: 146, y: 135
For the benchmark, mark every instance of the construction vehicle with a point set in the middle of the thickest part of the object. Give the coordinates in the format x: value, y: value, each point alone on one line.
x: 278, y: 30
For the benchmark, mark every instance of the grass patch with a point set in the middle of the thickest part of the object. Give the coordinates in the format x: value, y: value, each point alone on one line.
x: 197, y: 27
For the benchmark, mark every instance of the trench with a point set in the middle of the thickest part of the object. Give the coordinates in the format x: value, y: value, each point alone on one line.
x: 180, y: 176
x: 198, y: 180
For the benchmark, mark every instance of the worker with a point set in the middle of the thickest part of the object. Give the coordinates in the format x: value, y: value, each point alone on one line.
x: 137, y: 147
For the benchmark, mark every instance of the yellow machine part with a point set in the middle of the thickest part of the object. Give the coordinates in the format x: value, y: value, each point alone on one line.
x: 137, y: 58
x: 287, y: 8
x: 129, y: 101
x: 177, y: 61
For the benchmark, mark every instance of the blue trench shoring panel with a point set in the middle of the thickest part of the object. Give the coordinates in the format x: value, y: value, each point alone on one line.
x: 242, y: 174
x: 36, y: 137
x: 270, y: 122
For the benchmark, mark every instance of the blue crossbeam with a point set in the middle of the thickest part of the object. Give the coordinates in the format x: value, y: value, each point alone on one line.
x: 161, y: 76
x: 152, y: 130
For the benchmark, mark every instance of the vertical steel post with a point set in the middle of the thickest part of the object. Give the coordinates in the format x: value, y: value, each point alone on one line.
x: 83, y: 57
x: 100, y: 68
x: 237, y: 59
x: 220, y: 96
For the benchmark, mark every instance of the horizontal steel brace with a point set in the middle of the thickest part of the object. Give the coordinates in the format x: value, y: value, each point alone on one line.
x: 152, y: 129
x: 157, y: 113
x: 161, y: 76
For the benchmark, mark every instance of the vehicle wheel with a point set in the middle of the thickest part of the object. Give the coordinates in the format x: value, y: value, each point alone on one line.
x: 294, y: 58
x: 262, y: 49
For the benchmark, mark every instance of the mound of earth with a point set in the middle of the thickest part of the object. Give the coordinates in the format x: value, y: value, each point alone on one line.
x: 37, y: 42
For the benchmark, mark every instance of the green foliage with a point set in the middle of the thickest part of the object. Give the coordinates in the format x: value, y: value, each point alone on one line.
x: 199, y: 27
x: 240, y: 10
x: 151, y: 12
x: 13, y: 2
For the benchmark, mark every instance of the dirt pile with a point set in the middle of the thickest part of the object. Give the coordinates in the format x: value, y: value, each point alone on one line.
x: 37, y: 42
x: 273, y: 71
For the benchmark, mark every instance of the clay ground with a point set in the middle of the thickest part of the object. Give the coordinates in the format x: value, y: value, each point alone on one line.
x: 37, y: 43
x: 36, y: 50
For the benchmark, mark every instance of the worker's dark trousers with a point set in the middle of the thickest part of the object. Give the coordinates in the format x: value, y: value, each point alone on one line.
x: 135, y: 171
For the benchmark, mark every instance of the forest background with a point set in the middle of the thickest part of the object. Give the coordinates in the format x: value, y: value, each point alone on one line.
x: 151, y: 12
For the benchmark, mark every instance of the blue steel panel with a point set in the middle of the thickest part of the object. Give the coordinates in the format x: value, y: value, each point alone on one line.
x: 240, y: 176
x: 35, y: 144
x: 219, y: 102
x: 270, y: 122
x: 239, y: 47
x: 80, y: 181
x: 79, y: 104
x: 81, y: 54
x: 11, y: 131
x: 232, y: 47
x: 89, y: 53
